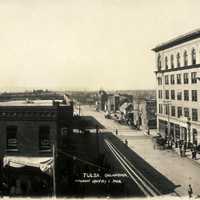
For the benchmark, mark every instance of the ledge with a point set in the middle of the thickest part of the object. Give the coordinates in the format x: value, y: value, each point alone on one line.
x: 178, y: 69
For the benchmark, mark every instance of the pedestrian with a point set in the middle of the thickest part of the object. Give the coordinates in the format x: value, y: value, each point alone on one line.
x: 190, y: 192
x: 126, y: 142
x: 148, y: 131
x: 192, y: 153
x: 180, y: 149
x: 195, y: 154
x: 116, y: 132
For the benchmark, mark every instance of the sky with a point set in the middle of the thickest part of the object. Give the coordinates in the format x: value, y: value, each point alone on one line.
x: 87, y: 44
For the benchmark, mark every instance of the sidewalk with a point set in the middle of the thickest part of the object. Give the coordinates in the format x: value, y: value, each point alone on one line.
x: 188, y: 153
x: 182, y: 171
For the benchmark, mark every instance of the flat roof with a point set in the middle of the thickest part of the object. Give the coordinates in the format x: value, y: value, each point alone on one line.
x: 178, y: 40
x: 28, y: 103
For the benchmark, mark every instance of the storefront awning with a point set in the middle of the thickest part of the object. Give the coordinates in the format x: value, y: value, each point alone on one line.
x: 45, y: 164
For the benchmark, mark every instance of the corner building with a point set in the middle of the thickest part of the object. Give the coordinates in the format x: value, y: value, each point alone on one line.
x: 178, y: 88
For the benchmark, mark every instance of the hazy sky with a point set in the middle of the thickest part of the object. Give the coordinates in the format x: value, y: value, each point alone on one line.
x: 87, y: 44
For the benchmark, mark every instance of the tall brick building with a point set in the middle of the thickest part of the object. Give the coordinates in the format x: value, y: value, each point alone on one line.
x: 178, y: 94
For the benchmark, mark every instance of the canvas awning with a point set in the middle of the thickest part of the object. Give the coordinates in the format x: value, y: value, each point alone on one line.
x: 45, y: 164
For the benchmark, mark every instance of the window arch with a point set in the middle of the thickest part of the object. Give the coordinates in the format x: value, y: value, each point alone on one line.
x: 178, y: 59
x: 159, y: 62
x: 193, y: 56
x: 172, y: 61
x: 185, y: 57
x: 166, y: 62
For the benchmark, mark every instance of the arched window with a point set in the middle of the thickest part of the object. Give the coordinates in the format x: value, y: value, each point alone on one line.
x: 193, y: 53
x: 159, y: 62
x: 178, y: 59
x: 172, y: 61
x: 185, y: 56
x: 166, y: 62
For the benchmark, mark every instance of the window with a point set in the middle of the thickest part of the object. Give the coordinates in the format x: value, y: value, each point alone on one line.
x: 160, y: 109
x: 193, y: 53
x: 173, y: 94
x: 167, y: 109
x: 178, y: 78
x: 194, y: 95
x: 185, y: 57
x: 166, y: 79
x: 172, y: 79
x: 172, y: 61
x: 11, y: 132
x: 166, y: 94
x: 186, y: 112
x: 179, y: 95
x: 159, y: 62
x: 159, y: 81
x: 185, y: 78
x: 44, y: 138
x: 194, y: 115
x: 186, y: 95
x: 160, y: 94
x: 193, y: 77
x: 178, y: 59
x: 166, y: 63
x: 179, y: 111
x: 173, y: 111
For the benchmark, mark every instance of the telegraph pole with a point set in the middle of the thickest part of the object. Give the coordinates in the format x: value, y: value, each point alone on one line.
x: 54, y: 171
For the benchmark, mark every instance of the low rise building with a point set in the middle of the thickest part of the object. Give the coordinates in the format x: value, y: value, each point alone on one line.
x: 144, y: 113
x: 102, y: 100
x: 113, y: 103
x: 28, y: 131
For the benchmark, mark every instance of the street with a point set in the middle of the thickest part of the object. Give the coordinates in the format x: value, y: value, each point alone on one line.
x: 164, y: 168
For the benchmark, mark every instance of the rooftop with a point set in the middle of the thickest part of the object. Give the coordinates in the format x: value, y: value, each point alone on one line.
x: 28, y: 103
x: 178, y: 40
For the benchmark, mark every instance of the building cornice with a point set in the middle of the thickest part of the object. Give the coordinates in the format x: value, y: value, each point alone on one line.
x: 178, y: 40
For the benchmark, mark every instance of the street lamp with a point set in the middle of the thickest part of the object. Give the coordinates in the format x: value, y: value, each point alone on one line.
x: 189, y: 130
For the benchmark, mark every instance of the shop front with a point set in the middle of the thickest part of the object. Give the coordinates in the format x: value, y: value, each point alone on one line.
x: 26, y: 176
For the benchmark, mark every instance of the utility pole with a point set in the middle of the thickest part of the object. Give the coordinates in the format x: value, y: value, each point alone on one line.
x: 54, y: 171
x: 168, y: 103
x: 79, y: 109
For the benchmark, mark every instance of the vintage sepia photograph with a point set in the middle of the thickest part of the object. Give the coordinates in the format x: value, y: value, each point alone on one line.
x: 100, y: 99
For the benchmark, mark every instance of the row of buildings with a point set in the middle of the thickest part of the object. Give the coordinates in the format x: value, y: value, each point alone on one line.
x: 139, y: 112
x: 178, y: 94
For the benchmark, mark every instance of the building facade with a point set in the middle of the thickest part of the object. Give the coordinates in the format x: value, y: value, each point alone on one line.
x: 28, y: 129
x: 178, y: 93
x: 144, y: 114
x: 102, y: 100
x: 113, y: 103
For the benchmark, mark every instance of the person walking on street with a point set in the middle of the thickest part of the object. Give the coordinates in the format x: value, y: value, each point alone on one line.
x: 126, y: 142
x: 180, y: 149
x: 116, y: 132
x: 195, y: 154
x: 192, y: 153
x: 190, y: 192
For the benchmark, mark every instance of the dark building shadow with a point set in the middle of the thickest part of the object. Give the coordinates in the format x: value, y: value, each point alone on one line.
x: 161, y: 182
x: 86, y: 122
